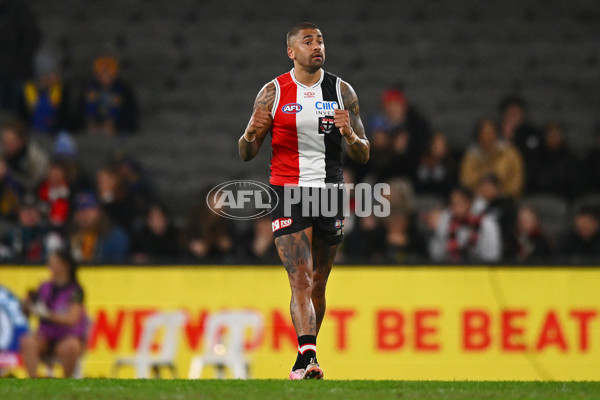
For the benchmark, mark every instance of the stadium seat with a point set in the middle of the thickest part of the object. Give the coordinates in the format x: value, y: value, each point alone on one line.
x: 143, y: 360
x: 224, y: 339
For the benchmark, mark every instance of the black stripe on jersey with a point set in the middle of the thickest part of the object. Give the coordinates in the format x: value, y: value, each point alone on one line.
x: 333, y: 139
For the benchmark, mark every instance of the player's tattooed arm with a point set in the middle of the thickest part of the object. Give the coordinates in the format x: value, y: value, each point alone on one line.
x: 259, y: 124
x: 358, y: 146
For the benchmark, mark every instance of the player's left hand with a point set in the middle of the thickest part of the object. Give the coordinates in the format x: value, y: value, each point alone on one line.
x: 342, y: 122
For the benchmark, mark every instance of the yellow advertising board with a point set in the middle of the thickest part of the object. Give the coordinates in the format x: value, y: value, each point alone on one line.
x: 381, y: 323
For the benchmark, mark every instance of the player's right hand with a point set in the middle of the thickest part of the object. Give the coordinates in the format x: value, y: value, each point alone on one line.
x: 260, y: 120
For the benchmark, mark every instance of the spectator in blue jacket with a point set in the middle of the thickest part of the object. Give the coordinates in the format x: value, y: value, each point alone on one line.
x: 94, y: 238
x: 108, y: 105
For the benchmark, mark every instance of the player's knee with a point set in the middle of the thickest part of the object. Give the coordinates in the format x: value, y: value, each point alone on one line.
x: 302, y: 282
x: 28, y: 343
x: 70, y: 347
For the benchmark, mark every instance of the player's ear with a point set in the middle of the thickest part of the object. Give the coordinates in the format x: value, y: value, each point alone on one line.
x: 291, y: 53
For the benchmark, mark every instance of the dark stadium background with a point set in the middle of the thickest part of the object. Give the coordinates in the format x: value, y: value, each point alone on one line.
x: 196, y: 66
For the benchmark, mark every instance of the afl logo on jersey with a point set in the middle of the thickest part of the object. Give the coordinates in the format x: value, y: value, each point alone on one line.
x: 292, y: 108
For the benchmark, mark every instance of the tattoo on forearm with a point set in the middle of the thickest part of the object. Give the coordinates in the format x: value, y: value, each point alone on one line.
x: 359, y: 151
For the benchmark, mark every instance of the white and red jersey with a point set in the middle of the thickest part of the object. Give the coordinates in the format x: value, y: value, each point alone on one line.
x: 307, y: 147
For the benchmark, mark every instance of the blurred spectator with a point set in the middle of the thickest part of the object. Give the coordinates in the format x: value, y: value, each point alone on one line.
x: 404, y: 243
x: 461, y: 236
x: 20, y: 39
x: 44, y: 101
x: 436, y: 172
x: 158, y: 239
x: 259, y: 245
x: 591, y: 165
x: 532, y: 244
x: 135, y: 180
x: 9, y: 195
x: 65, y: 151
x: 515, y: 128
x: 556, y: 170
x: 26, y: 242
x: 63, y: 326
x: 55, y: 194
x: 367, y: 241
x: 25, y: 160
x: 94, y: 238
x: 108, y: 105
x: 492, y: 156
x: 114, y: 198
x: 207, y: 236
x: 582, y: 244
x: 490, y: 201
x: 398, y: 136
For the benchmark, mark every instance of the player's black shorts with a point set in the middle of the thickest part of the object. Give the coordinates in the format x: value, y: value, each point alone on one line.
x: 302, y: 212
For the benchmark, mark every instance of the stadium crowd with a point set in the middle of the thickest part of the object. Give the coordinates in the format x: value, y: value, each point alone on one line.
x: 488, y: 203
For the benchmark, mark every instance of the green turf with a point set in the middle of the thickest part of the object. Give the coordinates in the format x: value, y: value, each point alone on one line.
x: 112, y: 389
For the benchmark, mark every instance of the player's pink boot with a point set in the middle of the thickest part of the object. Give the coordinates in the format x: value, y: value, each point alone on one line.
x: 296, y: 374
x: 313, y: 370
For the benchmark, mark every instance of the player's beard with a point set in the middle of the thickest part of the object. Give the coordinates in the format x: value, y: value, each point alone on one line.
x: 314, y: 64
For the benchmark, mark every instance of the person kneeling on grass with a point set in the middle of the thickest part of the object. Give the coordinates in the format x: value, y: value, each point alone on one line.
x: 63, y: 321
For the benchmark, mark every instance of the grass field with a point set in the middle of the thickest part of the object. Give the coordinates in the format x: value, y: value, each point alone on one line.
x: 112, y: 389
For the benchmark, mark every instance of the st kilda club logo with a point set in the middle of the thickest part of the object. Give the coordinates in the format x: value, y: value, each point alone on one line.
x: 326, y: 124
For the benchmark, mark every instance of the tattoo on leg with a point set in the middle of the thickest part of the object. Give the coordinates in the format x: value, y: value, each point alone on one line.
x: 294, y: 250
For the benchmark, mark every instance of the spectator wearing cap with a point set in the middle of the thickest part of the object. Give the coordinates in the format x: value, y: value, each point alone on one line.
x: 65, y: 151
x: 108, y: 105
x: 398, y: 135
x: 24, y: 161
x: 27, y: 241
x: 93, y: 237
x: 44, y: 101
x: 489, y: 155
x: 462, y: 236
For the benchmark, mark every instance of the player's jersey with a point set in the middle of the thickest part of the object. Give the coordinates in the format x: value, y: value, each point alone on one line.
x: 307, y: 147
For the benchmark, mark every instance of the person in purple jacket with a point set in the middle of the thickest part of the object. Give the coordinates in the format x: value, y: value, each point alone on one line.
x: 63, y: 321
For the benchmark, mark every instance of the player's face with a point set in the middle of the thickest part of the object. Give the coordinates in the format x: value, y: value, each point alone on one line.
x: 308, y: 49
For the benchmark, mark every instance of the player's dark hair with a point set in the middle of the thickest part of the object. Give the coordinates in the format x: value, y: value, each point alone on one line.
x: 297, y: 28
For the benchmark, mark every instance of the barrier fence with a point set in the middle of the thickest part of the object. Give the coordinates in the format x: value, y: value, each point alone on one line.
x: 381, y: 323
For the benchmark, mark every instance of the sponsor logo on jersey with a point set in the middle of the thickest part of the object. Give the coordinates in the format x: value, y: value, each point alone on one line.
x: 309, y: 95
x: 280, y: 223
x: 326, y: 105
x: 326, y: 124
x: 292, y: 108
